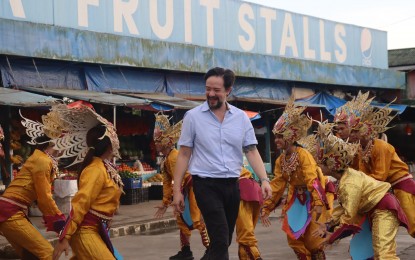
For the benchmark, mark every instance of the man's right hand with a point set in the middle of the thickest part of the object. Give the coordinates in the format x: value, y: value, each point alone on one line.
x: 178, y: 202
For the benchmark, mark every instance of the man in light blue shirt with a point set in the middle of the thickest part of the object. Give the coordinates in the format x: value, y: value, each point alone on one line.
x: 212, y: 140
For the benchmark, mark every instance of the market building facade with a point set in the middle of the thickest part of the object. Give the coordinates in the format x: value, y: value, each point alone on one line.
x: 133, y: 58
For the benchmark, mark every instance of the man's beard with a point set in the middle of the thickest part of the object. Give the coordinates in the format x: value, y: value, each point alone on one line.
x: 218, y: 104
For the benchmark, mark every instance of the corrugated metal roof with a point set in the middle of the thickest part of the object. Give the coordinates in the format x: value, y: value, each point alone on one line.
x: 18, y: 98
x: 161, y: 98
x: 401, y: 57
x: 91, y: 96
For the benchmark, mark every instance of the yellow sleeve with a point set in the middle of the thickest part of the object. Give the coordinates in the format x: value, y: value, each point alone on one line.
x: 338, y: 211
x: 278, y: 185
x: 349, y: 198
x: 90, y: 185
x: 41, y: 174
x: 380, y: 162
x: 309, y: 170
x: 170, y: 163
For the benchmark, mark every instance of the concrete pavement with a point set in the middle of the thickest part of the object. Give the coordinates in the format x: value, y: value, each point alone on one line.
x: 130, y: 219
x: 139, y: 219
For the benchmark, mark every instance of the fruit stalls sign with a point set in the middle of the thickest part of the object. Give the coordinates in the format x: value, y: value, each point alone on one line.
x: 222, y: 24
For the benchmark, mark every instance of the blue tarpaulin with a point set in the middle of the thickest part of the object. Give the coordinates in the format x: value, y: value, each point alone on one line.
x: 331, y: 102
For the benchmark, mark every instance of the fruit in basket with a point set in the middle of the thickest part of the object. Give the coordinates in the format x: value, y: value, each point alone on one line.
x: 156, y: 178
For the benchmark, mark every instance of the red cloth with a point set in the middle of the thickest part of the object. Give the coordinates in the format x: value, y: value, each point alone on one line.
x: 343, y: 231
x: 7, y: 210
x: 390, y: 202
x: 407, y: 185
x: 250, y: 190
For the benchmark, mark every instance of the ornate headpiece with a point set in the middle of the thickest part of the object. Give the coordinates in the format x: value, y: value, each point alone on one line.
x: 358, y: 107
x: 1, y: 134
x: 50, y: 126
x: 309, y: 143
x: 76, y: 120
x: 336, y: 153
x: 164, y: 133
x: 292, y: 125
x: 375, y: 121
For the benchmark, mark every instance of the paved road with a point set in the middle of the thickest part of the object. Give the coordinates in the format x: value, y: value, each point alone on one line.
x: 272, y: 242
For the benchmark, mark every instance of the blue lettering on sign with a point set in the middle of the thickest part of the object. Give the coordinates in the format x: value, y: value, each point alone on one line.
x: 222, y: 24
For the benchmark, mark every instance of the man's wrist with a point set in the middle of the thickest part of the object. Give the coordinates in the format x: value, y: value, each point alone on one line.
x: 265, y: 179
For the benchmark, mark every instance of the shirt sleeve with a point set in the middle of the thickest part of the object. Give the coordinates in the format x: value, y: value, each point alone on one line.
x: 249, y: 137
x: 188, y: 132
x: 90, y: 185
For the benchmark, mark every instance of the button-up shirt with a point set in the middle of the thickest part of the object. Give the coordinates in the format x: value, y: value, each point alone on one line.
x: 216, y: 146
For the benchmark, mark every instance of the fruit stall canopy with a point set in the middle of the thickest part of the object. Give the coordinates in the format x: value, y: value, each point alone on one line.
x: 90, y: 96
x: 18, y: 98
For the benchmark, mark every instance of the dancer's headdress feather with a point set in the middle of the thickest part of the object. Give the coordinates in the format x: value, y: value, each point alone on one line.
x: 292, y: 125
x: 76, y: 120
x: 165, y: 134
x: 50, y: 126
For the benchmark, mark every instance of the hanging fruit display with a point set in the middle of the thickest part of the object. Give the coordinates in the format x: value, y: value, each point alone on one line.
x: 21, y: 150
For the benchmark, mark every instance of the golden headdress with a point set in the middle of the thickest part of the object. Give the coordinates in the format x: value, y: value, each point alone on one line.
x: 309, y: 143
x: 76, y: 120
x: 165, y: 134
x: 292, y: 125
x: 358, y: 108
x: 50, y: 126
x: 369, y: 120
x: 335, y: 153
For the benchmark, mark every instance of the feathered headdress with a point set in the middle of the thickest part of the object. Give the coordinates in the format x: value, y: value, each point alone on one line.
x: 371, y: 121
x: 358, y: 108
x: 76, y: 120
x: 335, y: 153
x: 309, y: 143
x: 165, y: 134
x: 50, y: 127
x: 292, y: 125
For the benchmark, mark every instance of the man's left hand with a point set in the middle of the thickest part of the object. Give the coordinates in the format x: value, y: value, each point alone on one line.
x: 266, y: 190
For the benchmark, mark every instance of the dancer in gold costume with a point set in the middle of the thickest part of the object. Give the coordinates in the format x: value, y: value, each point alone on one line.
x: 165, y: 137
x: 306, y: 198
x: 99, y: 185
x: 359, y: 196
x: 379, y: 159
x: 33, y: 183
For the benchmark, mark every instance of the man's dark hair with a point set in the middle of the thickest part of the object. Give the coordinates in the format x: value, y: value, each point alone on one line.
x: 227, y: 75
